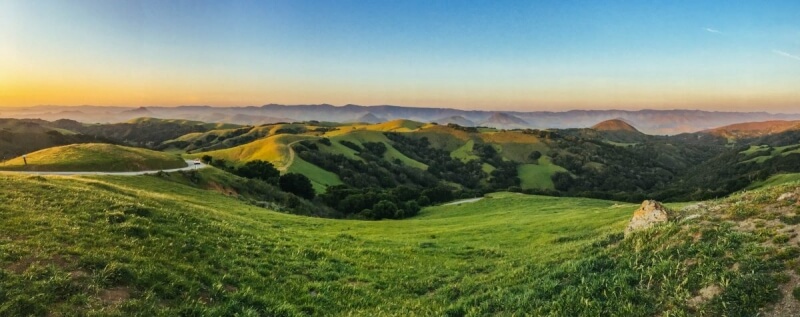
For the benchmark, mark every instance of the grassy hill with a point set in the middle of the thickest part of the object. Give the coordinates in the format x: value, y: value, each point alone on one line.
x: 94, y: 157
x: 20, y: 136
x: 754, y: 129
x: 182, y: 122
x: 106, y: 246
x: 617, y: 162
x: 538, y: 175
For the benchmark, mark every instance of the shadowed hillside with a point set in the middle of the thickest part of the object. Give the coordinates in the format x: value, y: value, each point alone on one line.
x: 94, y: 157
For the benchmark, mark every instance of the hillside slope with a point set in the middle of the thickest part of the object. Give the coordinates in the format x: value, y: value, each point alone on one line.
x: 106, y: 246
x: 18, y: 137
x: 94, y: 157
x: 754, y: 129
x: 614, y: 125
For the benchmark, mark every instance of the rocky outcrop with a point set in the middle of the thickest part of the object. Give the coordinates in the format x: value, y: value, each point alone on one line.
x: 790, y: 197
x: 649, y: 214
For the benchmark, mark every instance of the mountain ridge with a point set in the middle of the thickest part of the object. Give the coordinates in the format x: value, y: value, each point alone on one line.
x: 662, y: 122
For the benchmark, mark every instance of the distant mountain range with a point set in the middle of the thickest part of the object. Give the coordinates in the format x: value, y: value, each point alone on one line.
x: 647, y: 121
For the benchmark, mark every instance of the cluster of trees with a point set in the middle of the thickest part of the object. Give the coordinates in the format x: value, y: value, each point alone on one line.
x: 141, y: 133
x: 679, y: 168
x: 727, y: 173
x: 544, y: 134
x: 504, y: 176
x: 440, y: 164
x: 375, y: 188
x: 297, y: 184
x: 462, y: 128
x: 291, y: 130
x: 373, y: 171
x: 384, y: 203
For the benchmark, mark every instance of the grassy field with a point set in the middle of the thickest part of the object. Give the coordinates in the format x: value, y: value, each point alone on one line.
x: 319, y: 177
x: 361, y: 136
x: 120, y: 246
x: 464, y: 153
x: 273, y: 149
x: 94, y: 157
x: 775, y: 151
x: 538, y: 175
x: 778, y: 179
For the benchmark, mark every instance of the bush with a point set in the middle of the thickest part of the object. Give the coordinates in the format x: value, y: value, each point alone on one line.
x: 297, y: 184
x: 259, y: 169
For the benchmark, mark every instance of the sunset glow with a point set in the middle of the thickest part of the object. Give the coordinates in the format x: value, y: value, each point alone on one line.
x: 489, y: 55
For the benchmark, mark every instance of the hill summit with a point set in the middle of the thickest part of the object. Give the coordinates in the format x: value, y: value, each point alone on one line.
x: 369, y: 117
x: 755, y: 129
x: 501, y: 119
x: 614, y: 125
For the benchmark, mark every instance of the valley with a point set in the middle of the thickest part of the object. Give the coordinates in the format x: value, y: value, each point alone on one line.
x: 465, y: 229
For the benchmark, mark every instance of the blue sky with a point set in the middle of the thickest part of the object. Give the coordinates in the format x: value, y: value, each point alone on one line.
x: 514, y: 55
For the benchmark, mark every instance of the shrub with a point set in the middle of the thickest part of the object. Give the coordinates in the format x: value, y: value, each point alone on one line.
x: 297, y: 184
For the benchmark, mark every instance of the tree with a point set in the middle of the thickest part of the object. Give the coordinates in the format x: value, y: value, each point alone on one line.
x: 384, y: 209
x: 535, y: 155
x: 297, y: 184
x: 220, y: 163
x: 376, y: 148
x: 259, y: 169
x: 207, y: 159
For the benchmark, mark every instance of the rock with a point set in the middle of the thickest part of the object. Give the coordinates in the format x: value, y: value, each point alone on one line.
x: 650, y: 213
x: 788, y: 196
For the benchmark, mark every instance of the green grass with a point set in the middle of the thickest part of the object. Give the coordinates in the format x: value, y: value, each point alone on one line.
x: 361, y: 136
x: 778, y: 179
x: 780, y: 150
x: 87, y: 236
x: 274, y: 149
x: 94, y: 157
x: 538, y: 175
x: 464, y: 153
x: 123, y: 246
x: 622, y: 144
x: 319, y: 177
x: 754, y: 149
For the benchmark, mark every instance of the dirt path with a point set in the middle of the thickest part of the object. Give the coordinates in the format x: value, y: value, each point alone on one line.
x: 291, y: 157
x: 463, y: 201
x: 191, y: 166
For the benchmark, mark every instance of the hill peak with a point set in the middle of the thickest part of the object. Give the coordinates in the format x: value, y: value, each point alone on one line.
x: 369, y: 117
x: 502, y: 118
x: 614, y: 125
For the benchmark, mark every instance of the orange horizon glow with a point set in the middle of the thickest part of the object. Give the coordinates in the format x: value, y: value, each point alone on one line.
x: 169, y: 54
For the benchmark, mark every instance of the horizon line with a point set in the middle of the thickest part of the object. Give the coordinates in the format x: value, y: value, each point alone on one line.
x: 390, y: 105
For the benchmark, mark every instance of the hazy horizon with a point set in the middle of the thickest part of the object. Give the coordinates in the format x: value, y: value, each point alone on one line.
x: 494, y: 56
x: 796, y: 111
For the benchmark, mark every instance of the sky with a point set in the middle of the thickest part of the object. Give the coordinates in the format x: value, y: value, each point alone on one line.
x: 492, y: 55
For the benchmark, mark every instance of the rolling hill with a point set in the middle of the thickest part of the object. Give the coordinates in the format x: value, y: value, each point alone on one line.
x: 106, y: 245
x: 754, y: 129
x: 368, y: 118
x: 613, y: 161
x: 94, y: 157
x: 18, y: 137
x: 504, y: 120
x: 459, y: 120
x: 614, y: 125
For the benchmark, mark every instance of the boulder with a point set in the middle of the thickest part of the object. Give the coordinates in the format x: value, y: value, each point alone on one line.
x: 649, y: 214
x: 790, y: 196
